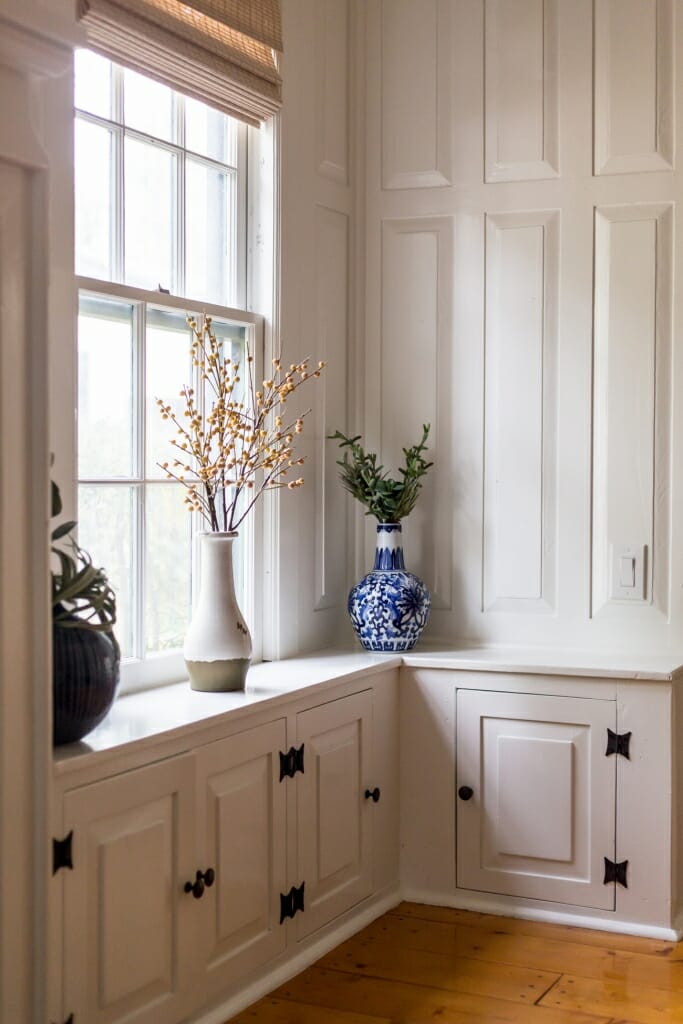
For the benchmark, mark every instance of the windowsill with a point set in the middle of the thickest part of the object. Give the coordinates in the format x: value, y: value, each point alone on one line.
x: 176, y: 711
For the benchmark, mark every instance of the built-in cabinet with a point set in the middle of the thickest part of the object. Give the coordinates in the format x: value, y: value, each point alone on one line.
x: 536, y: 796
x: 241, y: 825
x: 205, y: 870
x: 129, y: 929
x: 334, y: 817
x: 551, y: 795
x: 176, y: 878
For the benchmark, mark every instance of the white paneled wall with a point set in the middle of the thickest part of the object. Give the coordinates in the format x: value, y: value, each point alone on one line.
x: 520, y: 67
x: 521, y: 239
x: 316, y: 206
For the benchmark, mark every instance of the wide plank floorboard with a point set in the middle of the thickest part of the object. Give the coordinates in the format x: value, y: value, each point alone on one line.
x: 538, y: 952
x: 436, y: 965
x: 517, y: 926
x: 274, y: 1011
x: 418, y: 1004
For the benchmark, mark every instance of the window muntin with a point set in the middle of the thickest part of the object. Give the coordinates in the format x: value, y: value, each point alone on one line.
x: 160, y: 207
x: 160, y: 187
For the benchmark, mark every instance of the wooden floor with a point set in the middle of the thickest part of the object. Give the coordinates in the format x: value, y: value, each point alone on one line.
x: 419, y: 964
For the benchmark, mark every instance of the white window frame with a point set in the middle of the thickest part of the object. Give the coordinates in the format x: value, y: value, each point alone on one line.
x: 164, y: 668
x: 120, y: 131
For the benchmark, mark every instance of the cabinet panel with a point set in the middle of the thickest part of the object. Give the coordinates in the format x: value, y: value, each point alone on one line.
x: 128, y: 926
x: 242, y: 824
x: 541, y: 819
x: 333, y: 817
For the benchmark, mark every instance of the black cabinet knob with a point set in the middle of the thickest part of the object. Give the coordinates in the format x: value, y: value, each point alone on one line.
x: 203, y: 879
x: 465, y: 793
x: 196, y: 887
x: 372, y: 794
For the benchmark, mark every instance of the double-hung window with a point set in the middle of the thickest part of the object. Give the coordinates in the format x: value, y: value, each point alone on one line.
x: 160, y: 234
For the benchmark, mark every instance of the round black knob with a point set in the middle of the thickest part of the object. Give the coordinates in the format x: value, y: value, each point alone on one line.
x: 196, y: 887
x: 372, y: 794
x: 202, y: 879
x: 465, y: 793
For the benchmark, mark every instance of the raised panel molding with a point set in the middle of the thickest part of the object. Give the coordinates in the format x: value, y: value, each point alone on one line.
x: 634, y: 86
x: 332, y: 97
x: 331, y: 332
x: 520, y: 412
x: 417, y: 82
x: 521, y: 107
x: 416, y: 356
x: 632, y: 362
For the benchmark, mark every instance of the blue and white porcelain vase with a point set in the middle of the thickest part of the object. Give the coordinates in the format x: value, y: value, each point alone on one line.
x: 389, y: 608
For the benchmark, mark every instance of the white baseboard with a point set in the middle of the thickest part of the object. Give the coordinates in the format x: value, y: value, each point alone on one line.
x: 298, y: 960
x: 487, y: 903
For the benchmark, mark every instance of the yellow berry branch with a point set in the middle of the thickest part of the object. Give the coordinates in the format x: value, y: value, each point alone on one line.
x: 234, y: 447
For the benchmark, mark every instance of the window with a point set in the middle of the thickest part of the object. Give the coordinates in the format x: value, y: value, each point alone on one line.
x: 160, y: 233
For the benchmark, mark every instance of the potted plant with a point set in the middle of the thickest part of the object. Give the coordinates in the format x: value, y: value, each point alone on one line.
x: 85, y: 655
x: 228, y: 450
x: 389, y: 608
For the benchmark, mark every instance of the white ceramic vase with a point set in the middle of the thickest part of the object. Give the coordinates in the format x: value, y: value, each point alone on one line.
x: 218, y: 644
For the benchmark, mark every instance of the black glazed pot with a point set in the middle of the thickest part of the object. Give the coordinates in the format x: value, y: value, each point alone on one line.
x: 85, y: 675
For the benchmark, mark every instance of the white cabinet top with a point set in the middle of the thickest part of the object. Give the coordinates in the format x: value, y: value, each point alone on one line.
x: 164, y: 710
x: 175, y: 710
x: 550, y: 661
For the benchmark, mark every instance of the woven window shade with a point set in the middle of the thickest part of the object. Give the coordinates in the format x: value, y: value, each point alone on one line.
x: 218, y: 51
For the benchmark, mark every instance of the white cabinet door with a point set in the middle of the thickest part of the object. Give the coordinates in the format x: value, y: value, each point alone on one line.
x: 128, y: 926
x: 541, y: 816
x: 334, y: 819
x: 241, y: 812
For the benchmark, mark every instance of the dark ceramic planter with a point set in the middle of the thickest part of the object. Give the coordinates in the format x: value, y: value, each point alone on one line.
x: 85, y: 676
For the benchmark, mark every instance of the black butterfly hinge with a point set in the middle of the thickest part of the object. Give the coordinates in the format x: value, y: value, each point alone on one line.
x: 616, y: 872
x: 61, y: 854
x: 618, y: 743
x: 291, y: 762
x: 291, y: 903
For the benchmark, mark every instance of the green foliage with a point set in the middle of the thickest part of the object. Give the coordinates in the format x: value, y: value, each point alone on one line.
x: 388, y: 500
x: 81, y: 594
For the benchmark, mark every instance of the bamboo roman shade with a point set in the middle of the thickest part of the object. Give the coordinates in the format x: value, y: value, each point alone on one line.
x: 218, y: 51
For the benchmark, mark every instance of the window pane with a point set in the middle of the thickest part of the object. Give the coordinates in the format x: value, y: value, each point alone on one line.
x: 210, y: 133
x: 169, y: 366
x: 93, y: 159
x: 149, y: 215
x: 168, y: 580
x: 105, y: 389
x: 210, y: 234
x: 148, y: 106
x: 105, y: 530
x: 92, y: 83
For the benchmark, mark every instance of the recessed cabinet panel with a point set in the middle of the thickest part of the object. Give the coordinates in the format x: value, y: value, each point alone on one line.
x: 333, y: 817
x: 129, y: 929
x: 548, y: 763
x: 541, y: 817
x: 242, y: 827
x: 140, y: 909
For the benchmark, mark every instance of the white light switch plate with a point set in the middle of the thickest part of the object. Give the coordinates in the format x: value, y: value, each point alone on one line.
x: 628, y: 563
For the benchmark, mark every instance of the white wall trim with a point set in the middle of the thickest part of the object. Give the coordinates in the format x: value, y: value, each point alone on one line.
x: 511, y: 906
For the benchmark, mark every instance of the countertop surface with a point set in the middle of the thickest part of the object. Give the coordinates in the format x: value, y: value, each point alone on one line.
x: 169, y: 710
